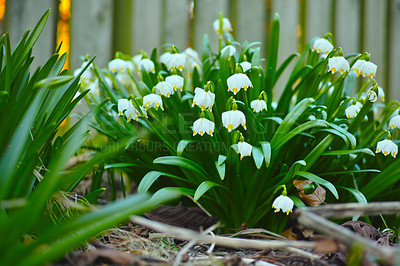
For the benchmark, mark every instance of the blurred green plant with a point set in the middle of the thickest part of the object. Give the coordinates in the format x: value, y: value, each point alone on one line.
x: 189, y: 129
x: 39, y: 221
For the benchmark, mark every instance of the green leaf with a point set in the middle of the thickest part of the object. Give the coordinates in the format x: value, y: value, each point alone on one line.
x: 258, y: 157
x: 255, y: 60
x: 93, y: 196
x: 266, y: 148
x: 297, y: 202
x: 184, y: 163
x: 221, y: 159
x: 350, y: 136
x: 320, y: 181
x: 203, y: 188
x: 182, y: 145
x: 220, y: 169
x: 151, y: 177
x: 344, y: 152
x: 284, y: 65
x: 120, y: 165
x: 357, y: 194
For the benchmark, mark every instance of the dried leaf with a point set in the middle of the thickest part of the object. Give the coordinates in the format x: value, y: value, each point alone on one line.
x: 314, y: 199
x: 289, y: 234
x: 326, y: 246
x: 191, y: 218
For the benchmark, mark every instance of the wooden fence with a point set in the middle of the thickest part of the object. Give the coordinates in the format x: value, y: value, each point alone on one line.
x: 100, y: 27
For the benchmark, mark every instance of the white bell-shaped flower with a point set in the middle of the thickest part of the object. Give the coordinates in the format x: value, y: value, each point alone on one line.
x: 203, y: 99
x: 130, y: 66
x: 117, y: 65
x: 132, y: 113
x: 245, y: 66
x: 86, y: 76
x: 226, y: 25
x: 176, y: 82
x: 244, y: 149
x: 173, y: 60
x: 364, y: 68
x: 231, y: 50
x: 164, y: 88
x: 147, y: 64
x: 322, y: 46
x: 394, y: 122
x: 123, y: 105
x: 372, y: 96
x: 353, y: 110
x: 123, y: 78
x: 283, y: 203
x: 258, y: 105
x: 136, y: 59
x: 232, y: 119
x: 381, y: 93
x: 237, y: 82
x: 202, y: 126
x: 387, y: 147
x: 152, y: 100
x: 338, y: 64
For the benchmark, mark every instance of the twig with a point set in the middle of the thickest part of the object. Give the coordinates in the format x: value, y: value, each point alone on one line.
x: 309, y: 219
x: 352, y: 209
x: 185, y: 234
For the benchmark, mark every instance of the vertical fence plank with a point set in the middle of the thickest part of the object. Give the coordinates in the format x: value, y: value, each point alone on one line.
x: 347, y: 26
x: 146, y: 25
x: 24, y: 14
x: 206, y: 11
x: 91, y: 31
x: 176, y: 27
x: 318, y: 18
x: 375, y: 36
x: 250, y: 21
x: 288, y: 37
x: 394, y: 53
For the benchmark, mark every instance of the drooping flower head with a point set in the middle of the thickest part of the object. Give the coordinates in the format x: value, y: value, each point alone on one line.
x: 394, y: 122
x: 234, y: 118
x: 164, y: 88
x: 152, y: 101
x: 203, y: 125
x: 147, y: 64
x: 244, y: 148
x: 204, y: 98
x: 338, y: 64
x: 226, y: 25
x: 283, y: 202
x: 86, y: 77
x: 322, y: 46
x: 173, y: 59
x: 387, y: 147
x: 364, y: 68
x: 353, y: 110
x: 118, y: 65
x: 258, y: 105
x: 238, y: 81
x: 231, y: 50
x: 176, y: 82
x: 245, y: 66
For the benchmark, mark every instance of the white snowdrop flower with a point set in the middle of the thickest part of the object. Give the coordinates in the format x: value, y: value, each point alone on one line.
x: 152, y: 100
x: 202, y: 126
x: 394, y: 122
x: 338, y: 64
x: 132, y: 113
x: 230, y: 48
x: 86, y: 76
x: 353, y: 110
x: 136, y: 59
x: 191, y: 53
x: 164, y: 88
x: 203, y: 99
x: 387, y: 147
x: 258, y: 105
x: 147, y: 64
x: 130, y: 66
x: 283, y: 203
x: 274, y: 105
x: 226, y: 25
x: 244, y: 149
x: 322, y: 46
x: 117, y: 65
x: 372, y: 97
x: 245, y: 66
x: 123, y: 105
x: 123, y: 78
x: 173, y: 60
x: 232, y: 119
x: 238, y: 81
x: 381, y: 93
x: 176, y: 82
x: 144, y: 111
x: 364, y: 68
x: 192, y: 59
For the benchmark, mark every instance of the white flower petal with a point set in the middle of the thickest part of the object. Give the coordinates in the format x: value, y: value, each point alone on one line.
x: 232, y: 119
x: 283, y: 203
